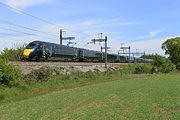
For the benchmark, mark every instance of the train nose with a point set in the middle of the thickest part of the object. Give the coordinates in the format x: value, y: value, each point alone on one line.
x: 27, y: 52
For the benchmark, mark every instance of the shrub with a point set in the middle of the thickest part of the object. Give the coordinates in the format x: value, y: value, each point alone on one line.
x: 163, y: 64
x: 140, y: 69
x: 154, y: 70
x: 41, y: 75
x: 12, y: 54
x: 9, y: 75
x: 178, y: 66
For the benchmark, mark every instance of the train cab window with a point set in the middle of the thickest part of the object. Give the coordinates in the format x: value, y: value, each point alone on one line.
x: 31, y: 45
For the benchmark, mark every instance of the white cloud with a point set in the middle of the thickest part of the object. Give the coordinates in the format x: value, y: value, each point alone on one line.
x: 156, y: 32
x: 152, y: 34
x: 152, y: 45
x: 21, y: 4
x: 94, y: 24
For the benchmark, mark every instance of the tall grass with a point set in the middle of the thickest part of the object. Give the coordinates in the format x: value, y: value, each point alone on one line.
x: 9, y: 75
x: 12, y: 54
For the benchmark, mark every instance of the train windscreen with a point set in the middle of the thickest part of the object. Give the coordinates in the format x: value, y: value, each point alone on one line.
x: 31, y: 45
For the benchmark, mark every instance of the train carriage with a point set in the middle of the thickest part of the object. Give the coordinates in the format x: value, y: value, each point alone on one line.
x: 66, y: 52
x: 38, y: 50
x: 91, y: 55
x: 112, y: 57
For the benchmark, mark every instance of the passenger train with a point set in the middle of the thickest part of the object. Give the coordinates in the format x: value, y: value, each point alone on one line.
x: 39, y: 50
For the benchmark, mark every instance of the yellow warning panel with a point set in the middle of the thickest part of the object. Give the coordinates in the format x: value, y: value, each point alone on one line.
x: 26, y: 53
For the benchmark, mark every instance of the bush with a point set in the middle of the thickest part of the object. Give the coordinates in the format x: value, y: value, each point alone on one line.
x: 154, y: 70
x: 9, y: 75
x: 41, y: 75
x: 140, y: 69
x: 162, y: 64
x: 12, y: 54
x: 178, y: 66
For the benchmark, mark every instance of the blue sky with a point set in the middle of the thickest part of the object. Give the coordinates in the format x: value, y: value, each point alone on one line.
x: 143, y: 24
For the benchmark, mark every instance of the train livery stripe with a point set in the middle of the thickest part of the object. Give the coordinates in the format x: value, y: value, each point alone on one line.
x: 26, y: 53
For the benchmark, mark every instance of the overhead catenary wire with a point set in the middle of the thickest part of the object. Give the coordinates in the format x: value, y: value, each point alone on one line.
x: 8, y: 34
x: 13, y: 30
x: 13, y: 35
x: 25, y: 33
x: 24, y: 27
x: 25, y: 13
x: 40, y: 19
x: 43, y: 20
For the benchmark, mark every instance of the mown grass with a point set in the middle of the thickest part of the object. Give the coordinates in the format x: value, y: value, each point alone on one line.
x: 58, y: 83
x: 33, y: 87
x: 152, y: 97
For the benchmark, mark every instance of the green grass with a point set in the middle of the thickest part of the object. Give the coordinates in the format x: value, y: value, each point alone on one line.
x: 153, y: 97
x: 61, y: 82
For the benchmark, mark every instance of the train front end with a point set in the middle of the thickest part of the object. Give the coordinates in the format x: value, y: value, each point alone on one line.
x: 30, y: 53
x: 27, y: 53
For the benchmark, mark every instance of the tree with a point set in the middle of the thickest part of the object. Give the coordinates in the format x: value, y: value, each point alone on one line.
x: 172, y: 48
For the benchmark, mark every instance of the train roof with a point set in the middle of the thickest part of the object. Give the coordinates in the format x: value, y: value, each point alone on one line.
x: 50, y: 43
x: 36, y: 41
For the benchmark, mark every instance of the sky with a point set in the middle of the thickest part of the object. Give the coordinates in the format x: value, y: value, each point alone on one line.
x: 142, y: 24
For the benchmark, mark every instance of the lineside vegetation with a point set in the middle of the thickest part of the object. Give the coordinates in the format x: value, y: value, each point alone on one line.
x: 12, y: 54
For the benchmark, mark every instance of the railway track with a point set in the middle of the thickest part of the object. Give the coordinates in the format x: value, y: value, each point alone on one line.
x: 49, y: 64
x: 27, y: 67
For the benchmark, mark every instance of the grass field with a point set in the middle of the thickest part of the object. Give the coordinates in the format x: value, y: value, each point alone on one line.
x: 153, y: 97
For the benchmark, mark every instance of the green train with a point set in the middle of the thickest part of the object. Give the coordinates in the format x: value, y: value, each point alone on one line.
x: 43, y: 51
x: 39, y: 50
